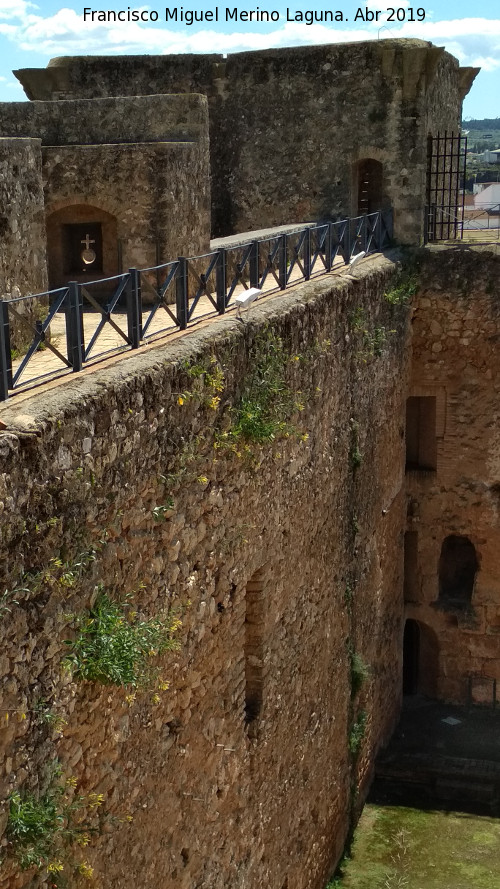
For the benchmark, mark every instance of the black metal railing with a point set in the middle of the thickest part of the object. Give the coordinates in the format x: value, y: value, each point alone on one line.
x: 141, y: 304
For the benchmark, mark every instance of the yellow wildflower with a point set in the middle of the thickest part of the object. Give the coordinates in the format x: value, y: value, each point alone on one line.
x: 130, y: 698
x: 95, y: 800
x: 83, y: 839
x: 71, y: 781
x: 162, y: 685
x: 85, y: 870
x: 180, y: 400
x: 55, y: 867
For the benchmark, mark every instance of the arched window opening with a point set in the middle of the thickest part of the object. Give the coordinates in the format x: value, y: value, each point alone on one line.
x: 370, y: 186
x: 458, y: 566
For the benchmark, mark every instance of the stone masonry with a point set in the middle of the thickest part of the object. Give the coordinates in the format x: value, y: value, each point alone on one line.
x: 290, y: 128
x: 455, y: 365
x: 130, y: 166
x: 285, y: 560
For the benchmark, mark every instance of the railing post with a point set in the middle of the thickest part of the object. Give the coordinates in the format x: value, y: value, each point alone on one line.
x: 254, y: 264
x: 5, y: 359
x: 345, y: 242
x: 328, y: 248
x: 74, y: 326
x: 282, y: 262
x: 363, y: 245
x: 181, y: 292
x: 307, y: 255
x: 134, y: 308
x: 220, y: 282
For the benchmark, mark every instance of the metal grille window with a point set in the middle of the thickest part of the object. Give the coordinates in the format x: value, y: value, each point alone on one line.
x: 446, y: 155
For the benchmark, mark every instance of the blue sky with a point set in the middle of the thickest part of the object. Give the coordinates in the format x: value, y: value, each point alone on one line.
x: 32, y: 33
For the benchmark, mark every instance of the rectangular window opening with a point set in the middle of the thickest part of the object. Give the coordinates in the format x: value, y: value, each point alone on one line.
x: 421, y: 441
x: 254, y: 651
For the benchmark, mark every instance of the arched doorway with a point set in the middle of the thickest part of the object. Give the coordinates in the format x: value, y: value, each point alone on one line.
x: 82, y: 244
x: 370, y: 184
x: 420, y: 659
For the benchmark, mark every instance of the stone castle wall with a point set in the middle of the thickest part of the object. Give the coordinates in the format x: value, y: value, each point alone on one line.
x: 153, y: 198
x: 22, y: 259
x: 286, y: 561
x: 147, y: 118
x: 138, y: 167
x: 289, y: 126
x: 455, y: 362
x: 23, y: 267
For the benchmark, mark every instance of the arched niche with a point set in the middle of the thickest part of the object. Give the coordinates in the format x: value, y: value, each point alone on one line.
x: 72, y: 227
x: 458, y: 566
x: 420, y: 659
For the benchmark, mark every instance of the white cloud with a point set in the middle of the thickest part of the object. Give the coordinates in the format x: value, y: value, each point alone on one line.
x: 15, y: 9
x: 475, y: 41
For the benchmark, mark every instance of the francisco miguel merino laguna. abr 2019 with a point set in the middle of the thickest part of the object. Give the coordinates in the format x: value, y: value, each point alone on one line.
x: 228, y: 14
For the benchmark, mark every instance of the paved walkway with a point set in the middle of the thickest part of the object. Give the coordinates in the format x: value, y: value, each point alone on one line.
x: 45, y: 365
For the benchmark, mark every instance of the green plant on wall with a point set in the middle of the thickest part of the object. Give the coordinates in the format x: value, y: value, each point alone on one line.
x: 357, y: 733
x: 372, y: 340
x: 45, y: 830
x: 403, y: 289
x: 114, y: 646
x: 356, y: 457
x: 209, y: 383
x: 360, y: 671
x: 268, y: 402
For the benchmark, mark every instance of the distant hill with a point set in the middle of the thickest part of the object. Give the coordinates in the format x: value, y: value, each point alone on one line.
x: 486, y: 125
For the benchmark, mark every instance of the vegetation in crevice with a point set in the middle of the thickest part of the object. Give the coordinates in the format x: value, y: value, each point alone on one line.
x: 403, y: 287
x: 268, y: 402
x: 115, y: 646
x: 47, y: 830
x: 357, y: 732
x: 360, y: 671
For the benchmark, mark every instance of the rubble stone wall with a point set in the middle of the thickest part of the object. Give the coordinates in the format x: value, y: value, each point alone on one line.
x: 152, y: 200
x: 23, y: 268
x: 455, y: 361
x: 289, y: 126
x: 283, y: 559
